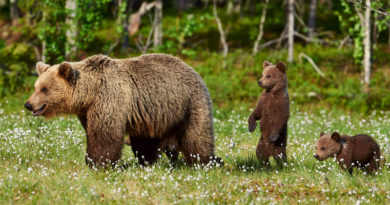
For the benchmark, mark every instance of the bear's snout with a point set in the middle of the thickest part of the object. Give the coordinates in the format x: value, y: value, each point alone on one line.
x: 259, y: 82
x: 316, y: 156
x: 28, y: 106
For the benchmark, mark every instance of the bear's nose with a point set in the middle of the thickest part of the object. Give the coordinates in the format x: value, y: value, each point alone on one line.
x: 28, y: 106
x: 259, y: 82
x: 315, y: 155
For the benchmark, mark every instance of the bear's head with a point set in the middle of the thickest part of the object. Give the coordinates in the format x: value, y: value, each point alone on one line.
x: 52, y: 90
x: 273, y: 77
x: 328, y: 146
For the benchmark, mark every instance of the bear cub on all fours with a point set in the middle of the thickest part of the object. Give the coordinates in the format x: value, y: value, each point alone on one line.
x: 273, y: 112
x: 357, y: 151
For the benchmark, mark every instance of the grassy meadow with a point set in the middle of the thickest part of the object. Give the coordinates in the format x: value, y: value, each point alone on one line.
x: 42, y: 162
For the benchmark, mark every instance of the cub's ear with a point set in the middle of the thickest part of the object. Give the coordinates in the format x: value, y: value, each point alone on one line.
x: 281, y: 67
x: 41, y: 67
x: 266, y: 63
x: 335, y: 136
x: 66, y: 71
x: 322, y: 133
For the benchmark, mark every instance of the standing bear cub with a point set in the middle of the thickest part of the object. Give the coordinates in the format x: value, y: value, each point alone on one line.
x: 160, y: 101
x: 360, y: 150
x: 273, y: 112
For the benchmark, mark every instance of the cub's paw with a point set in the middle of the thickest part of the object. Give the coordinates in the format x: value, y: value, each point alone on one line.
x: 252, y: 126
x: 273, y: 138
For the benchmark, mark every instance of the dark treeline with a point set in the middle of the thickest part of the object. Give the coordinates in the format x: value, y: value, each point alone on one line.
x: 313, y: 31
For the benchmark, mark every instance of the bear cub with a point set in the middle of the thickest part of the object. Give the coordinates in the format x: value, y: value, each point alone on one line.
x: 357, y: 151
x: 273, y: 112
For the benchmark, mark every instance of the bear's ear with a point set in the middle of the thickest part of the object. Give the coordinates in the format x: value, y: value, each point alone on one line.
x: 41, y: 67
x: 335, y: 136
x: 266, y: 63
x: 66, y: 71
x: 281, y: 67
x: 322, y: 133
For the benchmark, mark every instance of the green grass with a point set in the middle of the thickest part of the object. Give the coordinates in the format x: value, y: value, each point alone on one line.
x: 42, y: 162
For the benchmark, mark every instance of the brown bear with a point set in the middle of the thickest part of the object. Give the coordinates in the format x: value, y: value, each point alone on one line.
x: 357, y: 151
x: 273, y: 112
x: 160, y: 101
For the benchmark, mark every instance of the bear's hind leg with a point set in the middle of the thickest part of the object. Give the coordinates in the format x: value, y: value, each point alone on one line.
x: 145, y: 149
x: 262, y: 152
x: 373, y: 164
x: 279, y: 154
x: 170, y: 146
x: 172, y: 155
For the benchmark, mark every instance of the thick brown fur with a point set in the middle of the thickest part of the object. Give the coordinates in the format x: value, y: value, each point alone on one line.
x: 357, y: 151
x: 273, y: 112
x: 160, y: 101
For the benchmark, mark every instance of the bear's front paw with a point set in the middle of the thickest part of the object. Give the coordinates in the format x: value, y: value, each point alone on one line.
x: 273, y: 138
x: 252, y: 126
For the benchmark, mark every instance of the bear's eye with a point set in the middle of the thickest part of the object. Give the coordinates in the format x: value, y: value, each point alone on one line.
x: 268, y: 76
x: 322, y: 148
x: 44, y: 90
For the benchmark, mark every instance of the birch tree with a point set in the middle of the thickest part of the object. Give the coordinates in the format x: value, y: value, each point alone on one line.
x: 220, y: 29
x: 261, y: 28
x: 367, y: 43
x: 71, y: 31
x: 158, y: 32
x: 15, y: 13
x: 290, y: 30
x: 312, y: 18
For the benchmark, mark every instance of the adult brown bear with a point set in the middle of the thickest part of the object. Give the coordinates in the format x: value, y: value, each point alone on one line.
x: 160, y: 101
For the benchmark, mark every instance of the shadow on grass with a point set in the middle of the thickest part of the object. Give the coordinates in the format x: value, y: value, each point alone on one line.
x: 250, y: 163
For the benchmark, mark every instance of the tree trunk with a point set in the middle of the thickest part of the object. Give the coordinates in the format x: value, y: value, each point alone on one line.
x: 158, y: 32
x: 229, y: 7
x: 125, y: 24
x: 375, y: 31
x: 43, y: 56
x: 220, y: 29
x: 367, y: 44
x: 312, y: 18
x: 261, y: 28
x: 71, y: 31
x: 290, y: 31
x: 14, y: 11
x: 388, y: 40
x: 3, y: 3
x: 237, y: 8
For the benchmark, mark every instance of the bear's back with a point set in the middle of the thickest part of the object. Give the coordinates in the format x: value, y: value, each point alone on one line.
x: 363, y: 147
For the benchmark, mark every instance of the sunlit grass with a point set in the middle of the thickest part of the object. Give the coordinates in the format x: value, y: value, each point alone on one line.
x: 43, y: 162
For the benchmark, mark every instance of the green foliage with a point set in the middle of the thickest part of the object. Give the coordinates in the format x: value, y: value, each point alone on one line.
x: 352, y: 25
x: 121, y: 18
x: 51, y: 29
x: 177, y: 37
x: 89, y: 14
x: 15, y: 71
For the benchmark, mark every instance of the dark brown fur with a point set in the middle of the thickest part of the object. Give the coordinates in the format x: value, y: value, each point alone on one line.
x: 160, y: 101
x: 357, y: 151
x: 273, y: 112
